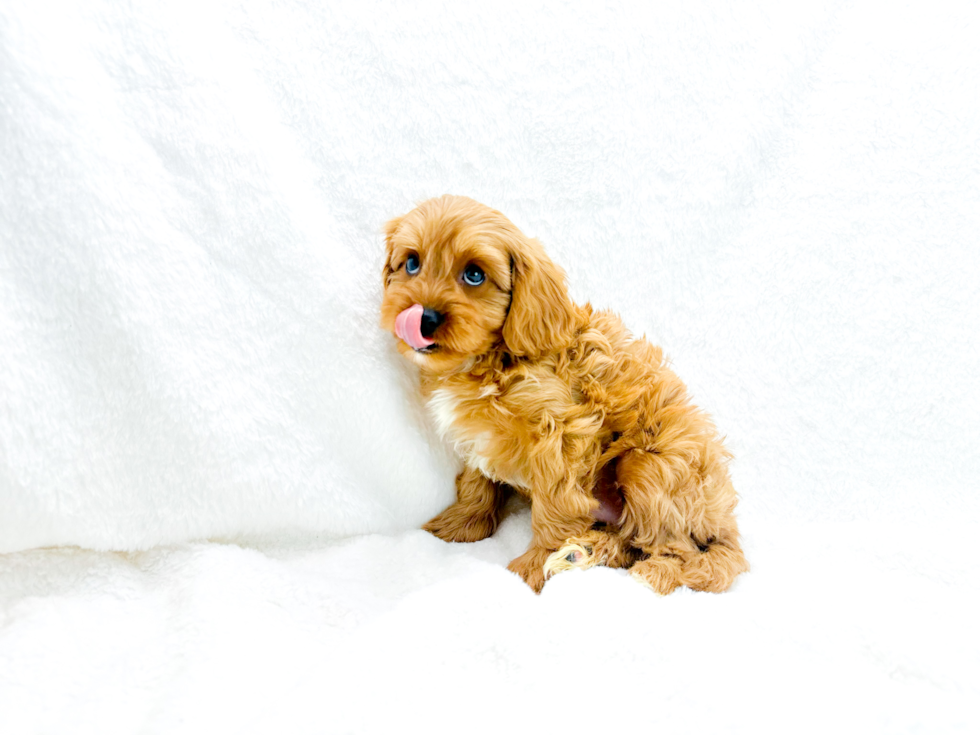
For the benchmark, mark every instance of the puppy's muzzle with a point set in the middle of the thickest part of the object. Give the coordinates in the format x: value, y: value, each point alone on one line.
x: 416, y: 325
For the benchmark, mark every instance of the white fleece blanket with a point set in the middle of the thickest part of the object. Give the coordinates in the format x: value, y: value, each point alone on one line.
x: 212, y: 461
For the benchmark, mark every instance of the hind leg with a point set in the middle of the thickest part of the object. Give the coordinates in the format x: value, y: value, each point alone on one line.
x: 594, y: 548
x: 663, y: 569
x: 682, y: 518
x: 715, y: 567
x: 711, y: 567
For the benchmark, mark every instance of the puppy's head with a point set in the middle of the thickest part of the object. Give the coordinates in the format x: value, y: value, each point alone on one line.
x: 460, y: 279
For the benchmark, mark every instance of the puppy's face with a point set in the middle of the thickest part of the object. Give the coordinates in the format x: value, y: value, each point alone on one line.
x: 460, y: 279
x: 447, y: 281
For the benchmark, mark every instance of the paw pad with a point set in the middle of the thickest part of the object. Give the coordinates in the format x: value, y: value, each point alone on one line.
x: 573, y: 555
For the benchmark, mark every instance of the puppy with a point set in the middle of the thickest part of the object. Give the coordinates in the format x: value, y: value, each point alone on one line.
x: 557, y: 402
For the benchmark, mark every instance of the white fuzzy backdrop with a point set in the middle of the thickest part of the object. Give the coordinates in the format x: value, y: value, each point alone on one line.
x: 199, y: 411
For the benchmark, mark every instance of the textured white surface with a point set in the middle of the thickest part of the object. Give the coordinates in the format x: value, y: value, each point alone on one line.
x: 839, y: 628
x: 191, y: 194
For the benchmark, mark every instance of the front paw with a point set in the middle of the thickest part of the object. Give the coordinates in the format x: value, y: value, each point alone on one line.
x: 529, y: 566
x: 454, y: 524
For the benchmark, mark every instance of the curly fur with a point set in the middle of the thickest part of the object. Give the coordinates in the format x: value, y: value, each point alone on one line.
x: 560, y: 403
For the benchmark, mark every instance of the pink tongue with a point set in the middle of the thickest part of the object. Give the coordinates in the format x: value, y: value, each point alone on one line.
x: 408, y: 326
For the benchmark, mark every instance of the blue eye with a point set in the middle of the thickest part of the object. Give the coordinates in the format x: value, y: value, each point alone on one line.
x: 412, y: 264
x: 474, y: 275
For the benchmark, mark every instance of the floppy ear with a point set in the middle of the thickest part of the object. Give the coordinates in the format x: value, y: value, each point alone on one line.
x: 541, y: 317
x: 391, y: 227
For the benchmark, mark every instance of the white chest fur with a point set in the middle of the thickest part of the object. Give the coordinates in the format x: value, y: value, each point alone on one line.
x: 472, y: 447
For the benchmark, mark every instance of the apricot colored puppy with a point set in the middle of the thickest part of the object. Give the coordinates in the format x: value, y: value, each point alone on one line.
x: 557, y: 402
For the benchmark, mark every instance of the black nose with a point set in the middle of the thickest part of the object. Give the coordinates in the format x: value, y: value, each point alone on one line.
x: 431, y: 319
